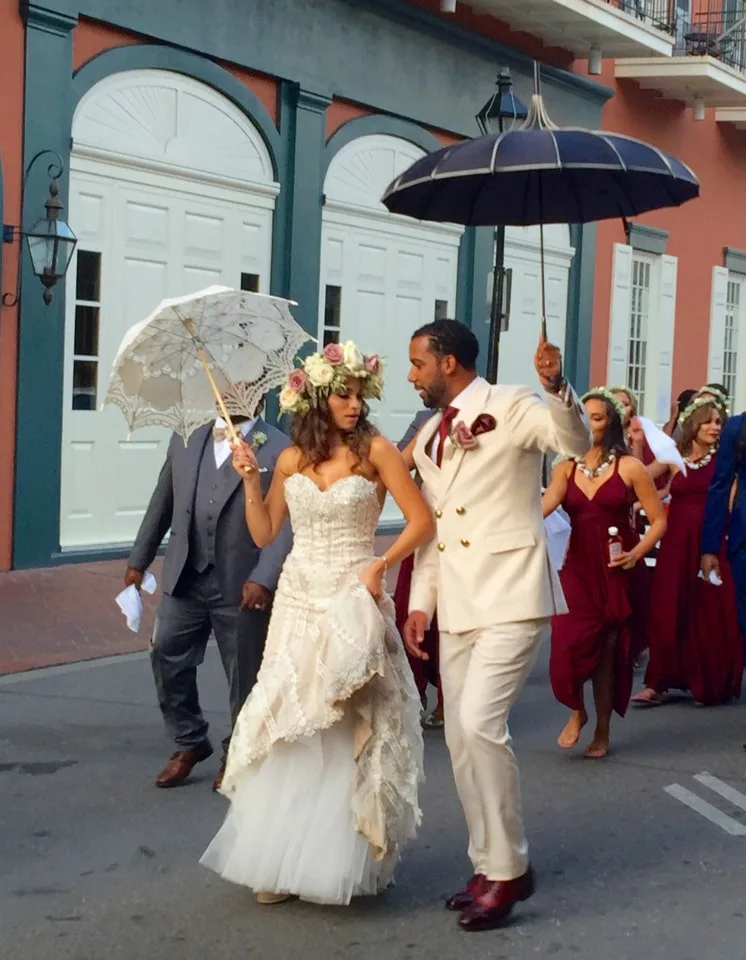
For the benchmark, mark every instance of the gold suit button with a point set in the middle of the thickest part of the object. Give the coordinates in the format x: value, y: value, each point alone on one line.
x: 461, y: 511
x: 465, y: 543
x: 441, y: 547
x: 438, y: 514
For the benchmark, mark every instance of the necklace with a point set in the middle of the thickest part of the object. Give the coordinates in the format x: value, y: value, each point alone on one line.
x: 699, y: 464
x: 593, y: 472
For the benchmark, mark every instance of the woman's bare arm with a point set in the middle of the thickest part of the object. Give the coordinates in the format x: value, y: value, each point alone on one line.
x: 395, y: 475
x: 264, y: 516
x: 555, y: 493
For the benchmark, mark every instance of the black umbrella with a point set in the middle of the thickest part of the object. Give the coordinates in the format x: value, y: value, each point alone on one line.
x: 539, y: 173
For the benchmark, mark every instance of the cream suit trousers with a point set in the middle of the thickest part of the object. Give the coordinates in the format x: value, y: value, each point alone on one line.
x: 482, y: 673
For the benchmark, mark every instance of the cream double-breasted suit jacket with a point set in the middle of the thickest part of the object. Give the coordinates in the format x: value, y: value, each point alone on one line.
x: 488, y: 561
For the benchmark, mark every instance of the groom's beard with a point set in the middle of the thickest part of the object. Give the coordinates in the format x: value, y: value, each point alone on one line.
x: 434, y: 394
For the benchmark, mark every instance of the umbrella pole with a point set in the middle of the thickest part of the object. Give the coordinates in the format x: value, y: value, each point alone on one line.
x: 218, y: 395
x: 543, y: 285
x: 202, y: 354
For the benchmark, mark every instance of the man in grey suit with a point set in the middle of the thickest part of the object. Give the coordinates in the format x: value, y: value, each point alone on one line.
x: 215, y: 580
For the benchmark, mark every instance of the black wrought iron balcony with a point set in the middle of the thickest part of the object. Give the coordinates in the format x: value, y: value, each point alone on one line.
x: 659, y: 14
x: 594, y: 29
x: 714, y: 32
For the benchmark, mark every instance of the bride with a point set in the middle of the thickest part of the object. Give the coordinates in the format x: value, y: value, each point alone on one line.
x: 326, y: 755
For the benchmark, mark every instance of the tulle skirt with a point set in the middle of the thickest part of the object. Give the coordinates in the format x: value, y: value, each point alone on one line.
x: 290, y: 828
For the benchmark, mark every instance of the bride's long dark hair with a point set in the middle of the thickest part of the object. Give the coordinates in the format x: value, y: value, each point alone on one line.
x: 314, y: 432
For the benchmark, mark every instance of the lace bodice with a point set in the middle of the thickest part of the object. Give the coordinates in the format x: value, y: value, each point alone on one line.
x: 333, y: 529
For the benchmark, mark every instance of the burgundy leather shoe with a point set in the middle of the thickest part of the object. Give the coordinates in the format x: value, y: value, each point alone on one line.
x: 492, y: 907
x: 181, y: 764
x: 464, y: 898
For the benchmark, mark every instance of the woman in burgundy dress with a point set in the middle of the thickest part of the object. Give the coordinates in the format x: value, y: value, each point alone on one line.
x: 425, y: 672
x: 599, y: 638
x: 695, y: 644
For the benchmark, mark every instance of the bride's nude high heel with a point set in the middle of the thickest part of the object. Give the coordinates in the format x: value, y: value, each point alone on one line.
x: 269, y: 899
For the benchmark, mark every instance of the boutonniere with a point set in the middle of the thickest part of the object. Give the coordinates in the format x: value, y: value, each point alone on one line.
x: 463, y: 437
x: 258, y: 440
x: 466, y: 437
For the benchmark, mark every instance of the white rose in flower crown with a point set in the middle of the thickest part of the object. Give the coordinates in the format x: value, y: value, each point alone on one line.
x: 353, y: 358
x: 288, y: 399
x: 319, y: 371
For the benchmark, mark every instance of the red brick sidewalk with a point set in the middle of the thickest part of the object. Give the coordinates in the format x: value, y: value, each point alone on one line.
x: 66, y: 614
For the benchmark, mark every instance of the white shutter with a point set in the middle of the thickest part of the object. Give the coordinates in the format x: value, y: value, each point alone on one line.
x: 619, y: 318
x: 666, y: 333
x: 717, y: 324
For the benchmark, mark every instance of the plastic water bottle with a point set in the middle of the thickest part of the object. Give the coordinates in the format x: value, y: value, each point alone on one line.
x: 616, y: 548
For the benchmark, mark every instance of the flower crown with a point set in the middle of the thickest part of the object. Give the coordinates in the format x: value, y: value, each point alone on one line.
x: 715, y: 395
x: 698, y: 403
x: 630, y: 393
x: 603, y: 393
x: 322, y: 374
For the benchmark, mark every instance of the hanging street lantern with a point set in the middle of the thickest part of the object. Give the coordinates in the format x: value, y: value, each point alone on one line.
x: 51, y: 242
x: 502, y: 107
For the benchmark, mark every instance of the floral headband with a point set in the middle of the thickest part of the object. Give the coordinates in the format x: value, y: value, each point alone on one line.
x: 630, y: 393
x: 322, y: 374
x: 698, y: 403
x: 715, y: 395
x: 603, y: 393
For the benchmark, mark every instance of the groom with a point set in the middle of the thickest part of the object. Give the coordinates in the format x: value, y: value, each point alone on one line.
x: 488, y: 572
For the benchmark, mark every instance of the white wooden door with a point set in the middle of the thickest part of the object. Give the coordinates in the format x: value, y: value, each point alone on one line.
x: 380, y: 281
x: 522, y: 257
x: 142, y: 238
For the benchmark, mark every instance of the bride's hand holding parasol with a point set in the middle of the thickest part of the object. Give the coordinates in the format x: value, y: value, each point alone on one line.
x: 244, y: 460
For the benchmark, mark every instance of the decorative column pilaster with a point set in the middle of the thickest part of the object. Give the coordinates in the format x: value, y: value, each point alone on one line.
x: 41, y: 346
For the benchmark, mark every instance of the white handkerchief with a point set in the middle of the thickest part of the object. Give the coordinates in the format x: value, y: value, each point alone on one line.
x: 662, y: 446
x: 129, y: 601
x: 713, y: 578
x: 558, y: 530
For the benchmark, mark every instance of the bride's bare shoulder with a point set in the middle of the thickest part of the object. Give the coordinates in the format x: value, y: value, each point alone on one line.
x: 288, y: 462
x: 382, y: 449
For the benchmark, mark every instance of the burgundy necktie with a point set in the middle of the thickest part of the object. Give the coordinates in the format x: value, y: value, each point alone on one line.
x: 449, y: 414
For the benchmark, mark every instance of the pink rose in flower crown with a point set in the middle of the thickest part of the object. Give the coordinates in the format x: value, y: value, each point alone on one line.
x: 297, y: 381
x: 334, y: 353
x: 463, y: 437
x: 372, y: 364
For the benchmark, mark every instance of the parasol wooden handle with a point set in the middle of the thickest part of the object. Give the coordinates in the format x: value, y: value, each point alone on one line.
x: 232, y: 432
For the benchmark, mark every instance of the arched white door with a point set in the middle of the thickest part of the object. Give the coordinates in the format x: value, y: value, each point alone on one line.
x: 382, y: 276
x: 171, y: 190
x: 523, y: 259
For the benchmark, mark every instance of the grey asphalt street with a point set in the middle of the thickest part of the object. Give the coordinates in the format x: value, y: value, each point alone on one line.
x: 96, y: 864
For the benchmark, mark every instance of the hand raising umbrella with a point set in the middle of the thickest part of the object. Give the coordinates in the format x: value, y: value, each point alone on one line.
x: 219, y: 346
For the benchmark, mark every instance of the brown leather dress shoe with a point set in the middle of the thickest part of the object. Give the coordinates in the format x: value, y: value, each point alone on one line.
x: 493, y: 906
x: 181, y: 764
x: 464, y: 898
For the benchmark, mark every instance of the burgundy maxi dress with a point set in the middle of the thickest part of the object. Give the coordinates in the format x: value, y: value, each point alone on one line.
x: 694, y: 639
x: 601, y: 600
x: 425, y: 671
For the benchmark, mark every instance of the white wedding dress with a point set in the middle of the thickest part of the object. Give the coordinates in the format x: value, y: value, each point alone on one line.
x: 326, y: 756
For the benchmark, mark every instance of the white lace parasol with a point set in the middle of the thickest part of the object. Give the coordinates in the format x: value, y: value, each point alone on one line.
x: 170, y: 367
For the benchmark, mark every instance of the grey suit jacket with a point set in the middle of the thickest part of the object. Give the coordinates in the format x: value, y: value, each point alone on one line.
x: 414, y: 427
x: 237, y: 557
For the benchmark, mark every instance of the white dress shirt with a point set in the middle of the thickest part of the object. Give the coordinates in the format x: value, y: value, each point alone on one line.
x: 223, y: 447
